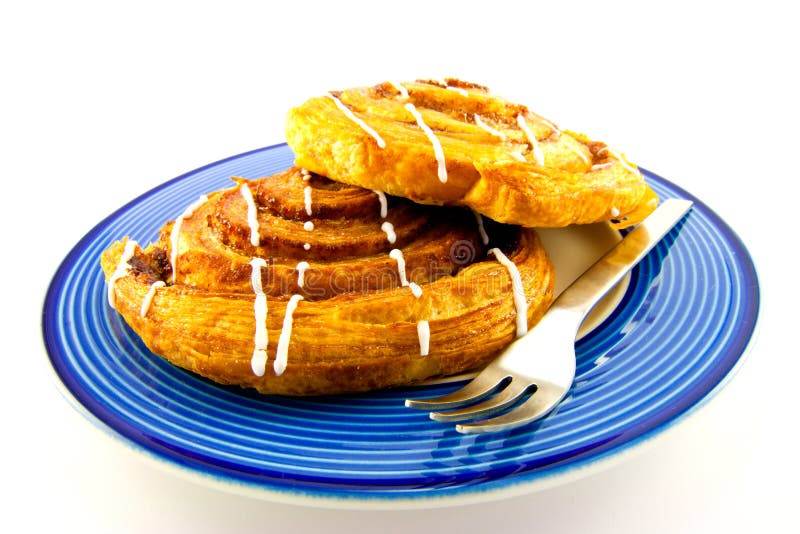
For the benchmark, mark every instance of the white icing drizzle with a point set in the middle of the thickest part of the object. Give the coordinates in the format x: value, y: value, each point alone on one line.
x: 459, y: 90
x: 176, y: 230
x: 308, y: 226
x: 302, y: 267
x: 383, y: 202
x: 481, y: 229
x: 602, y: 165
x: 122, y: 270
x: 619, y: 157
x: 258, y: 362
x: 579, y: 152
x: 479, y: 122
x: 362, y: 124
x: 252, y: 214
x: 549, y: 124
x: 400, y: 88
x: 148, y: 298
x: 520, y: 303
x: 518, y: 156
x: 307, y: 246
x: 614, y: 211
x: 307, y: 198
x: 424, y: 334
x: 282, y: 352
x: 423, y: 328
x: 389, y: 229
x: 446, y: 84
x: 306, y: 174
x: 537, y: 151
x: 437, y: 146
x: 397, y: 255
x: 415, y: 289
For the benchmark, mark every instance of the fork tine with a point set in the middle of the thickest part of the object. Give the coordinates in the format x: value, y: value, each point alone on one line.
x: 515, y: 390
x: 480, y: 387
x: 537, y: 406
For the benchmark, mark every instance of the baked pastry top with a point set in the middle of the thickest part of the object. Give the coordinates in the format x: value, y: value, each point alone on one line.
x: 295, y: 284
x: 449, y: 142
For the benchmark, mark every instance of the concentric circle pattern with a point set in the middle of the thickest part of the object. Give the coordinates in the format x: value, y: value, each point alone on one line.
x: 684, y: 323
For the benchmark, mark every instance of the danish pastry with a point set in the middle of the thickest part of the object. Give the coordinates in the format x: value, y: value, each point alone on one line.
x: 294, y: 284
x: 449, y: 142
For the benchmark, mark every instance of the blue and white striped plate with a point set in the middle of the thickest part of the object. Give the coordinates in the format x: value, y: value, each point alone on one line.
x: 680, y: 330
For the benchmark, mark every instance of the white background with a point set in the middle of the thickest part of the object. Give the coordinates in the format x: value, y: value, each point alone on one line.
x: 101, y: 103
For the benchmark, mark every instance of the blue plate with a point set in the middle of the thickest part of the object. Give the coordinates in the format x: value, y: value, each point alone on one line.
x: 681, y: 328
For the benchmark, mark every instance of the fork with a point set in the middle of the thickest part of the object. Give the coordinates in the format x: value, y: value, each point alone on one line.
x: 541, y: 364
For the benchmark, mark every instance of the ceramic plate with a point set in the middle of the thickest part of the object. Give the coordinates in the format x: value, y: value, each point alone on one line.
x: 677, y: 333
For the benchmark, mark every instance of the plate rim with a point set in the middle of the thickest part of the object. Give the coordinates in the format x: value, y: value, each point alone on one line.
x: 503, y: 487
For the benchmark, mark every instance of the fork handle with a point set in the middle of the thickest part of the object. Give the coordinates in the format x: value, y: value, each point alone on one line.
x: 598, y: 280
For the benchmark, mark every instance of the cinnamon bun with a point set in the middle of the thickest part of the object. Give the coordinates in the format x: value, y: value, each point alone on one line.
x: 449, y: 142
x: 294, y: 284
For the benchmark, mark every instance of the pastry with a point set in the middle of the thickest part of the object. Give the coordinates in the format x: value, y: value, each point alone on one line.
x: 294, y: 284
x: 449, y: 142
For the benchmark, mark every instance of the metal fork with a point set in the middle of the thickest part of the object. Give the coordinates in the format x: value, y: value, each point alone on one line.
x: 542, y: 362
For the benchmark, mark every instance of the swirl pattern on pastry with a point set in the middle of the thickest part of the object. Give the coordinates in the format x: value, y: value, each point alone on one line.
x: 261, y: 300
x: 449, y: 142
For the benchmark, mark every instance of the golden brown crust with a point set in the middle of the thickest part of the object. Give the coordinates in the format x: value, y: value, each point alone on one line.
x: 356, y: 329
x: 563, y: 178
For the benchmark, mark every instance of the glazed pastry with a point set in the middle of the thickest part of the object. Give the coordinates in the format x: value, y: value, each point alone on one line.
x: 294, y: 284
x: 448, y: 142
